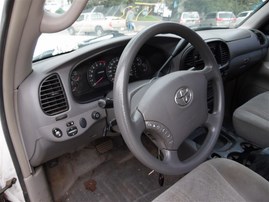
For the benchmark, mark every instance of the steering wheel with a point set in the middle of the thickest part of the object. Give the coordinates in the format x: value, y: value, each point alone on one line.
x: 170, y: 107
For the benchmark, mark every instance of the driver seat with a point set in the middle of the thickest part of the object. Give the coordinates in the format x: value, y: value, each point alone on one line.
x: 218, y: 180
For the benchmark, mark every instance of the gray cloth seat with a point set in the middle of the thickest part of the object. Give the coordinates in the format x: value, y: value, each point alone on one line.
x: 251, y: 120
x: 218, y: 180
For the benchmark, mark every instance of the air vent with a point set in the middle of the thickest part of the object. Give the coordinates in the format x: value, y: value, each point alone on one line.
x: 189, y: 60
x: 260, y: 36
x: 210, y: 97
x: 219, y: 49
x: 224, y: 54
x: 52, y: 97
x: 193, y: 60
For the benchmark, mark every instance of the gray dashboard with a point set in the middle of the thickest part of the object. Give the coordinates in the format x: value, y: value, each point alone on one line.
x: 58, y: 102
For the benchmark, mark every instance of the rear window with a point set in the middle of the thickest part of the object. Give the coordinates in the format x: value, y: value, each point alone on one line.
x: 242, y: 14
x: 225, y: 15
x: 190, y: 15
x: 211, y: 15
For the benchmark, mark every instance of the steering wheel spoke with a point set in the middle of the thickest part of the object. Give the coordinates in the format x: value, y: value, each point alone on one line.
x: 211, y: 122
x: 208, y: 73
x: 171, y: 158
x: 138, y: 122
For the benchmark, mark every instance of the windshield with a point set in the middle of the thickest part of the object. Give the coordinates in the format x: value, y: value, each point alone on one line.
x: 103, y: 20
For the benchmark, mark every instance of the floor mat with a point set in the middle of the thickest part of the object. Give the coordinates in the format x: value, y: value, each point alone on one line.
x: 119, y: 181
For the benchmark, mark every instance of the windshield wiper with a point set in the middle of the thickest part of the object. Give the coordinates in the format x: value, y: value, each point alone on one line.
x: 48, y: 54
x: 208, y: 27
x: 109, y: 35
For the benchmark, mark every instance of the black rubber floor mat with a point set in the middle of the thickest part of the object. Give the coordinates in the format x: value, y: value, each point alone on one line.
x: 126, y: 181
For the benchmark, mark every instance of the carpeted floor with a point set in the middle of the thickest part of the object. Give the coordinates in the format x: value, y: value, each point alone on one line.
x: 119, y: 179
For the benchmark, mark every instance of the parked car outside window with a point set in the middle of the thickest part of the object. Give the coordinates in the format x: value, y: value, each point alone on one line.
x: 96, y: 22
x: 220, y: 19
x: 190, y: 19
x: 242, y: 16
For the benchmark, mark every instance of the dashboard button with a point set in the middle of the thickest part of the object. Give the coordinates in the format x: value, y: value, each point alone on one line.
x: 83, y: 123
x: 96, y: 115
x: 70, y: 123
x: 57, y: 132
x: 161, y: 130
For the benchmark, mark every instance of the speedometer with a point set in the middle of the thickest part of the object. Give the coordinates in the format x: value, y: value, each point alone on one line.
x: 96, y: 74
x: 111, y: 69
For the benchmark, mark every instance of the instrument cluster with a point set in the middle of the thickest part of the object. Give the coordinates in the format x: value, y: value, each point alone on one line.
x: 94, y: 78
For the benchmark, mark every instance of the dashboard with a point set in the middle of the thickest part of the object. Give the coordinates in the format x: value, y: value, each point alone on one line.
x: 63, y: 113
x: 93, y: 78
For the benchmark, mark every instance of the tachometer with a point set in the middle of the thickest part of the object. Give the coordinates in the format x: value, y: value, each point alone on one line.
x: 140, y: 68
x: 136, y: 68
x: 96, y: 74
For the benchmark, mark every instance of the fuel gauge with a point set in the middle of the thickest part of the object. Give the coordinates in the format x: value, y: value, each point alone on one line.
x: 75, y: 76
x: 75, y: 79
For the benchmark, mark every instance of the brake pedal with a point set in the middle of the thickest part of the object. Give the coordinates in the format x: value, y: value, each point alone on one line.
x: 104, y: 146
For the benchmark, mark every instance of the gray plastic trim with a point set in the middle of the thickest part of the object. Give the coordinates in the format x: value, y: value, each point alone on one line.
x: 38, y: 186
x: 55, y: 23
x: 37, y: 127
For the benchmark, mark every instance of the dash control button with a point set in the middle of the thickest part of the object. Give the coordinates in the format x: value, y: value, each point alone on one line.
x: 57, y: 132
x: 70, y: 123
x: 96, y: 115
x: 161, y: 130
x: 83, y: 123
x: 72, y: 131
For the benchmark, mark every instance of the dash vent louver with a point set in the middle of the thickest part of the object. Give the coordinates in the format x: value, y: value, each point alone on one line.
x: 219, y: 49
x: 224, y: 54
x: 193, y: 59
x: 260, y: 36
x: 189, y: 60
x: 52, y: 96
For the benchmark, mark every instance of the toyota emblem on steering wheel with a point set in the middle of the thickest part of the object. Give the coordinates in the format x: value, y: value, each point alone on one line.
x: 183, y: 96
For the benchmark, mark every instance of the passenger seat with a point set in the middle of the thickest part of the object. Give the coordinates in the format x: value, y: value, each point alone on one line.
x: 251, y: 120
